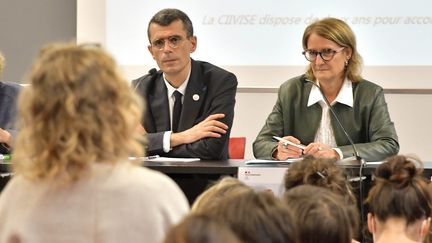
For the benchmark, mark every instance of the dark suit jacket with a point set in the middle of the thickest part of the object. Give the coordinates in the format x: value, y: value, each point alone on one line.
x: 368, y: 122
x: 8, y: 110
x: 216, y: 89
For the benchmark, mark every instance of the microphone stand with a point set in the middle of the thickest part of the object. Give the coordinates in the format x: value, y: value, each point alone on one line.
x: 357, y: 161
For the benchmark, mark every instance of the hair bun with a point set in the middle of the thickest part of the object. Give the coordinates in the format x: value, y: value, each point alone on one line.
x: 399, y: 171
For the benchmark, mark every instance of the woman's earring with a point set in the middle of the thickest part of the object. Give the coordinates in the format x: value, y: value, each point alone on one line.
x: 346, y: 63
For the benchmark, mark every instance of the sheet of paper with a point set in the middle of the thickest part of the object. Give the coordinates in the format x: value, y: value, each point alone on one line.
x: 5, y: 175
x: 265, y: 161
x: 168, y: 159
x: 164, y: 159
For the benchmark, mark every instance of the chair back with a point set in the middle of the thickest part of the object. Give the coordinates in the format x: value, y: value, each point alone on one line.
x: 236, y: 147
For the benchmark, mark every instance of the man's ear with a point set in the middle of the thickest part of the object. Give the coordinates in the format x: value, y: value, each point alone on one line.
x: 149, y: 47
x: 371, y: 223
x: 194, y: 43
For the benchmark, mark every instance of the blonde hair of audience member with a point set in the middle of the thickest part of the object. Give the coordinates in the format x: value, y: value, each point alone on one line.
x: 197, y: 228
x: 320, y: 214
x: 77, y: 111
x: 400, y: 202
x: 256, y: 217
x: 339, y: 32
x: 2, y: 63
x: 211, y: 197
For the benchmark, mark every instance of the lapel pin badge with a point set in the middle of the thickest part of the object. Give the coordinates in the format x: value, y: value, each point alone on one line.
x: 195, y: 97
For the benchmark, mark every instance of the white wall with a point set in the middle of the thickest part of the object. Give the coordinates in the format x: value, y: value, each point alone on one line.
x: 91, y: 21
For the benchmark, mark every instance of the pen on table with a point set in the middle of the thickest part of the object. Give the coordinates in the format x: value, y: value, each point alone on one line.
x: 287, y: 142
x: 145, y: 158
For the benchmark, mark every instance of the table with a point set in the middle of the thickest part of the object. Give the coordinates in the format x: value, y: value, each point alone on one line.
x: 194, y: 177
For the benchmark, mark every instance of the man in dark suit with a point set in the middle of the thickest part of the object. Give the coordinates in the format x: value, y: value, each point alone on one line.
x: 189, y: 104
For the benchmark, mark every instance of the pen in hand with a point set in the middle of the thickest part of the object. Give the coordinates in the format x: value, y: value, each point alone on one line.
x: 287, y: 142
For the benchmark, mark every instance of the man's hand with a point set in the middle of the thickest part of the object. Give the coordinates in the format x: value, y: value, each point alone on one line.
x: 209, y: 128
x: 285, y: 152
x: 141, y: 130
x: 5, y: 137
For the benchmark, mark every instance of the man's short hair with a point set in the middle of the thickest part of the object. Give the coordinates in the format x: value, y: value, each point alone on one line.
x: 168, y: 15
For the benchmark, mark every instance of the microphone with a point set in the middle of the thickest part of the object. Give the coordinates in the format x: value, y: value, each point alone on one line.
x: 152, y: 71
x: 347, y: 161
x: 358, y: 160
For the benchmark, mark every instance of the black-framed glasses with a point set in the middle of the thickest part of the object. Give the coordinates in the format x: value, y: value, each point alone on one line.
x: 173, y: 42
x: 325, y: 54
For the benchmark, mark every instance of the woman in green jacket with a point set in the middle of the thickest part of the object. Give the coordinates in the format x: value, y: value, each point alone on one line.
x: 302, y: 116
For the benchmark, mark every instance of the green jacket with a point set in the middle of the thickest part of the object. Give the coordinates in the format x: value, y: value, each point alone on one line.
x: 367, y: 122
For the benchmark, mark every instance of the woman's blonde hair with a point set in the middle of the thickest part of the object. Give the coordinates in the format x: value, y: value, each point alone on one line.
x: 2, y: 63
x: 339, y: 32
x: 211, y: 197
x: 77, y: 111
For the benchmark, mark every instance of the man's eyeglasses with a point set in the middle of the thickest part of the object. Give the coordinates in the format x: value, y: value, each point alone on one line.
x: 325, y: 54
x: 173, y: 42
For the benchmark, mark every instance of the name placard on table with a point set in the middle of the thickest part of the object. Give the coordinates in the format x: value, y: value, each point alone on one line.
x: 263, y: 178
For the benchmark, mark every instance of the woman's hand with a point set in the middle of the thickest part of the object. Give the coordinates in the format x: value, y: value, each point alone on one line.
x: 285, y: 152
x: 320, y: 150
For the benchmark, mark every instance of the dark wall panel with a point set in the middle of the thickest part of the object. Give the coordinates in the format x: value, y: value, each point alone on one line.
x: 26, y: 25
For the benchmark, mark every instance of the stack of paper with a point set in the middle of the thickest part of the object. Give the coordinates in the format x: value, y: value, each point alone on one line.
x: 265, y: 161
x: 157, y: 158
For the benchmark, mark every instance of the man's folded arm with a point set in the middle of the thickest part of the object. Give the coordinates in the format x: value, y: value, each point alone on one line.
x: 155, y: 143
x: 215, y: 148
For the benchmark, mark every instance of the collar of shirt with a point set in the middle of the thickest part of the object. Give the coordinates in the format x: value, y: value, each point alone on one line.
x: 181, y: 89
x: 345, y: 95
x: 170, y: 91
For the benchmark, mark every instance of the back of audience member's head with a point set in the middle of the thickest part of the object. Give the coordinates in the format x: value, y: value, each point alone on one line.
x: 319, y: 172
x: 213, y: 195
x: 401, y: 192
x: 77, y: 111
x: 256, y: 217
x: 321, y: 215
x: 324, y: 173
x: 196, y: 228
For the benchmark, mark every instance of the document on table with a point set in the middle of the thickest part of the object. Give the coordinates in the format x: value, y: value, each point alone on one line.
x: 5, y: 175
x: 157, y: 158
x: 267, y: 161
x: 374, y: 162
